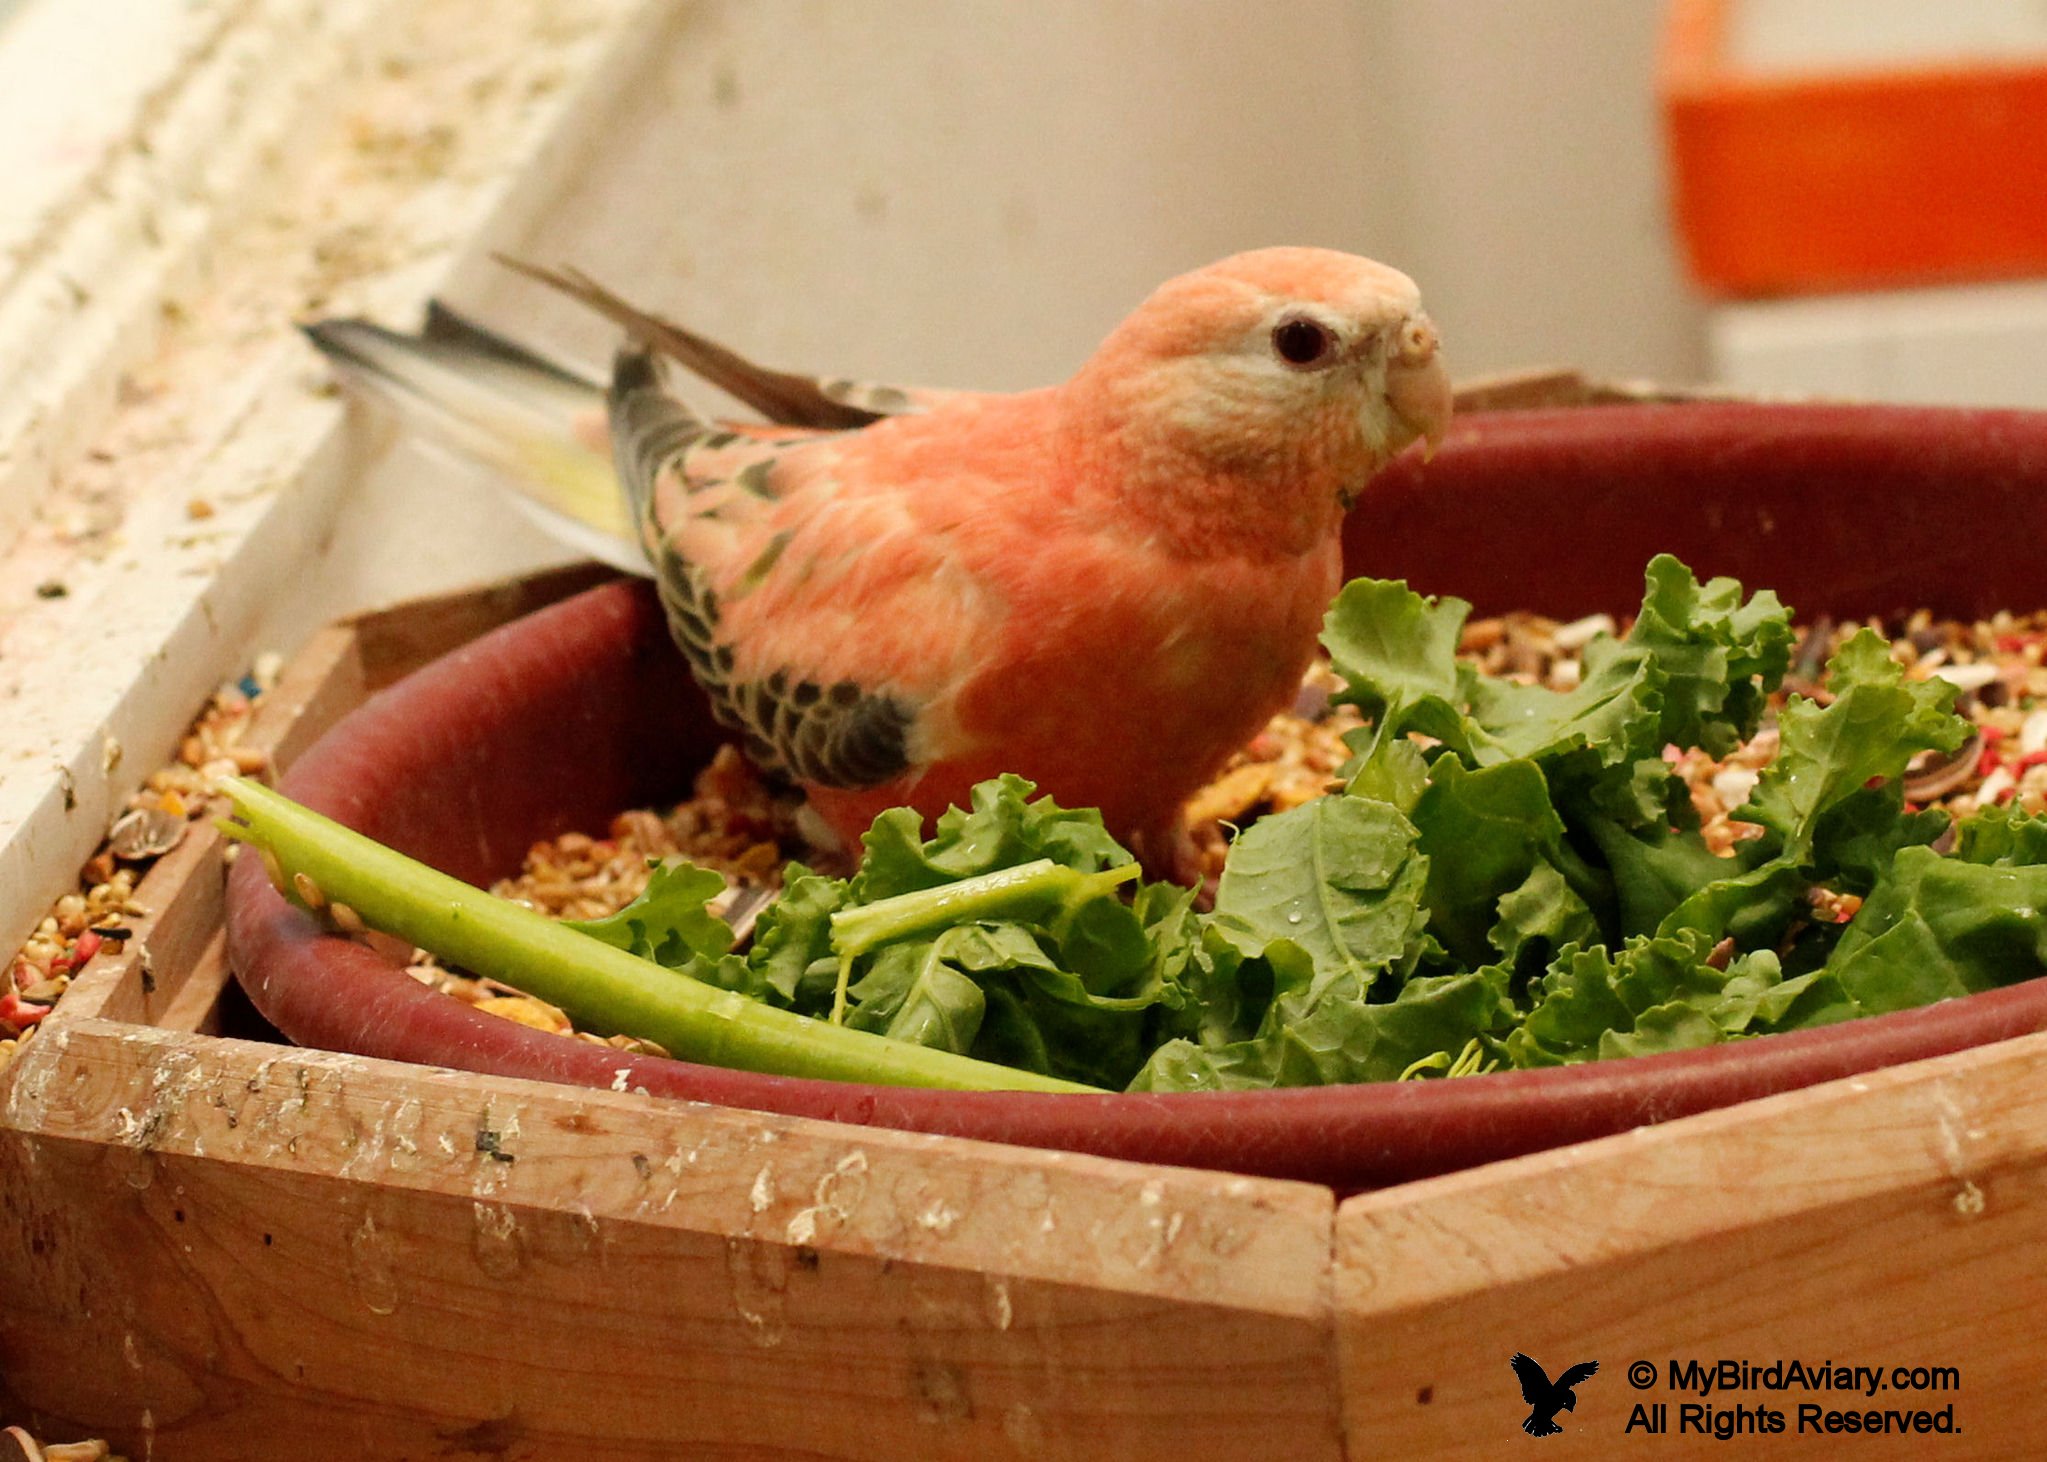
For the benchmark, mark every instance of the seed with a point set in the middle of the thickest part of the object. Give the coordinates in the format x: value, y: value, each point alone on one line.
x: 525, y: 1010
x: 308, y: 892
x: 1481, y: 635
x: 1968, y: 677
x: 1581, y: 632
x: 2033, y: 734
x: 93, y: 1451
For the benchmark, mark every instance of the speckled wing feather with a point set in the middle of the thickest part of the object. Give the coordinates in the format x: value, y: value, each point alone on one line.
x: 824, y: 402
x: 673, y: 464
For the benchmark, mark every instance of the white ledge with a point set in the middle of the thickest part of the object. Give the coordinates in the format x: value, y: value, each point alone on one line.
x: 169, y: 451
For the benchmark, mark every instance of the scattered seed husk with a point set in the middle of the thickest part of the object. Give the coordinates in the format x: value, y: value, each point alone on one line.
x: 145, y: 832
x: 1933, y: 776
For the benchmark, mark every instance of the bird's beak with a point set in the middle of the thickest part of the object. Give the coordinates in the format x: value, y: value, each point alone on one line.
x: 1417, y: 385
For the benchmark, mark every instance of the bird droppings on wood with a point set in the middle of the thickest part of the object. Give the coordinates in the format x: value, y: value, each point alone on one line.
x: 941, y: 1392
x: 372, y: 1270
x: 1001, y: 1309
x: 496, y: 1243
x: 834, y: 1200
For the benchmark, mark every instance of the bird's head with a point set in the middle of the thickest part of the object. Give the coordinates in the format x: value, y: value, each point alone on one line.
x: 1571, y: 1401
x: 1294, y: 373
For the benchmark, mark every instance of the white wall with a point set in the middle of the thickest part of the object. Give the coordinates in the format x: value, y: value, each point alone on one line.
x: 1959, y: 345
x: 972, y: 191
x: 1527, y: 182
x: 969, y: 192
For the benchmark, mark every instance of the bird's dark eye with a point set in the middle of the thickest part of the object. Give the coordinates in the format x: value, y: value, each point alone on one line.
x: 1302, y: 342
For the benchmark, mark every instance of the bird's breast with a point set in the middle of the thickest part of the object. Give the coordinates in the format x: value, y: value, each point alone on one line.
x: 1131, y: 689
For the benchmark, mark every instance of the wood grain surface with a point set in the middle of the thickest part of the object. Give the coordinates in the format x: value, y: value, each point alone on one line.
x: 225, y: 1242
x: 1896, y: 1219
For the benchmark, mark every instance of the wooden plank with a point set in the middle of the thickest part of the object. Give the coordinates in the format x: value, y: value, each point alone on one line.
x: 211, y: 1244
x: 195, y: 1005
x: 317, y: 687
x: 1894, y: 1219
x: 1550, y: 386
x: 396, y: 641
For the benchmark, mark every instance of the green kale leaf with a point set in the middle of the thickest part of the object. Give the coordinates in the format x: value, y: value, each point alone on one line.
x: 669, y: 922
x: 1935, y: 928
x: 1340, y: 878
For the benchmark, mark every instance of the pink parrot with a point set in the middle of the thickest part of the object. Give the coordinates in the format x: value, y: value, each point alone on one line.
x: 1107, y: 586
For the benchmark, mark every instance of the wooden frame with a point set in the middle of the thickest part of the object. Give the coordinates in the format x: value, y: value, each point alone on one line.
x: 222, y: 1248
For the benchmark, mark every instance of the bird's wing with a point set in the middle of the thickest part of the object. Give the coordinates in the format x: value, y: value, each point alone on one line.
x: 1535, y: 1385
x: 821, y: 616
x: 1583, y: 1371
x: 827, y: 403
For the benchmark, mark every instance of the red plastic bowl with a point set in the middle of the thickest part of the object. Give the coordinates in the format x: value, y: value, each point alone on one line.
x: 561, y: 719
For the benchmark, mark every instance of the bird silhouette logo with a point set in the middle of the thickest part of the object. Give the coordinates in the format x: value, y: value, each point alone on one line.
x: 1545, y: 1397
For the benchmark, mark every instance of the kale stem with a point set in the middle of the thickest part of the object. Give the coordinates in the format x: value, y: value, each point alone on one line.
x: 838, y: 1016
x: 1028, y: 891
x: 601, y: 988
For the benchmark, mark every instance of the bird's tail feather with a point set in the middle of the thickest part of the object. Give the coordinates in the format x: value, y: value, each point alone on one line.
x: 538, y: 423
x: 648, y: 426
x: 779, y: 396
